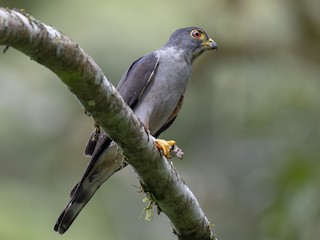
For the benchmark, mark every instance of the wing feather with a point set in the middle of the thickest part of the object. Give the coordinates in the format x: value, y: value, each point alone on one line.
x: 137, y: 78
x: 131, y: 87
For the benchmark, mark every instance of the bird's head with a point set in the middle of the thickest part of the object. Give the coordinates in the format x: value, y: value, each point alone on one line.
x: 193, y: 41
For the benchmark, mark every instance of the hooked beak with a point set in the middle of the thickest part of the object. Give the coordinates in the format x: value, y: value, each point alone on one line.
x: 210, y: 44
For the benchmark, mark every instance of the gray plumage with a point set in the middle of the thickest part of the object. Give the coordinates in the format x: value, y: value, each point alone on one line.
x: 153, y: 87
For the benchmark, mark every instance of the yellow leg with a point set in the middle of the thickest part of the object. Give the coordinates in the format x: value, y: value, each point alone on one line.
x: 165, y: 146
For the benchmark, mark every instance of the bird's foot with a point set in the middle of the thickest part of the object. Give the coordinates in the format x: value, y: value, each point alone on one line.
x: 165, y: 146
x: 97, y: 131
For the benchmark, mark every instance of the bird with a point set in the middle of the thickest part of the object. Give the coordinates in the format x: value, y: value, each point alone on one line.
x: 153, y: 87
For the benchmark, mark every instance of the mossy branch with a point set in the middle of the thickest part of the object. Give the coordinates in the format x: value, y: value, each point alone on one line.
x: 86, y: 81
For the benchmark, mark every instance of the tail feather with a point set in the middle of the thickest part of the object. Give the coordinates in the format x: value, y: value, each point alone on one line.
x: 74, y: 207
x: 74, y: 189
x: 98, y: 171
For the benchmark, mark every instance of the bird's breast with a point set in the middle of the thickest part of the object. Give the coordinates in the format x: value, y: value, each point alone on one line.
x: 163, y: 92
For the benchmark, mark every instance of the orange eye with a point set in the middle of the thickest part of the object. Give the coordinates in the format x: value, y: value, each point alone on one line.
x: 196, y: 34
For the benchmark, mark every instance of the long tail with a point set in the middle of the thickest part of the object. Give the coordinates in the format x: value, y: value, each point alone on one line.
x: 78, y: 201
x: 98, y: 171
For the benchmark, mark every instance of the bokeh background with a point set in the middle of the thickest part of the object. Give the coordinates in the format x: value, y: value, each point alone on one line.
x: 250, y: 126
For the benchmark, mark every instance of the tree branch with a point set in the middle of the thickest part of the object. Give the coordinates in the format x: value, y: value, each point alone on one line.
x: 84, y: 78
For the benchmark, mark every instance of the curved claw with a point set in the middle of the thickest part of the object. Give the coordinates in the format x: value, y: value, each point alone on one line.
x: 165, y: 146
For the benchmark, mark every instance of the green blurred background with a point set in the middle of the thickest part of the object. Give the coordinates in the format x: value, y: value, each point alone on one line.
x: 250, y: 126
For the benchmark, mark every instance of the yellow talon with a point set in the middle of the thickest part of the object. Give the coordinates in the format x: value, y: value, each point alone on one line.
x: 165, y: 146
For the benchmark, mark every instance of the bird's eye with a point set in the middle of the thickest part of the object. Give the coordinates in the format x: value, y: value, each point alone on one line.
x: 196, y: 34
